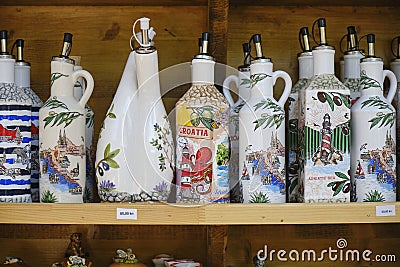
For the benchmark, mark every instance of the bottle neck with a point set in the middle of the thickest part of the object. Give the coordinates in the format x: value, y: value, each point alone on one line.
x: 148, y: 76
x: 373, y: 70
x: 261, y: 73
x: 323, y: 61
x: 203, y: 71
x: 61, y: 80
x: 7, y: 71
x: 352, y: 65
x: 306, y: 67
x: 23, y: 75
x: 395, y: 67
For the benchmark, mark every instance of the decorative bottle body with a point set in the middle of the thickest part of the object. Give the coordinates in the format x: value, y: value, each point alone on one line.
x: 352, y: 73
x: 305, y: 74
x: 62, y: 136
x: 202, y: 142
x: 22, y: 80
x: 395, y: 67
x: 242, y: 82
x: 262, y: 137
x: 373, y: 124
x: 15, y: 136
x: 324, y: 139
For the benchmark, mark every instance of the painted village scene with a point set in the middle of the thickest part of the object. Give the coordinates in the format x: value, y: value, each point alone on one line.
x: 376, y: 168
x: 267, y: 172
x: 60, y: 172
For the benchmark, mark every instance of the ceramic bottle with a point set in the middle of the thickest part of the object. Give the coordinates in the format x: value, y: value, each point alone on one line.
x: 242, y: 82
x: 202, y: 141
x: 305, y: 73
x: 23, y: 82
x: 352, y: 58
x: 324, y: 121
x: 90, y: 194
x: 395, y: 67
x: 15, y: 132
x: 373, y: 124
x: 62, y: 132
x: 262, y: 134
x: 134, y: 159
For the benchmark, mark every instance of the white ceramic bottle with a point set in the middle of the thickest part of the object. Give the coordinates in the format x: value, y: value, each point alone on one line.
x: 305, y: 73
x: 135, y: 163
x: 62, y: 132
x: 90, y: 194
x: 373, y: 124
x: 395, y: 67
x: 242, y: 83
x: 202, y: 149
x: 324, y: 122
x: 23, y: 82
x: 262, y: 134
x: 15, y: 132
x: 352, y: 58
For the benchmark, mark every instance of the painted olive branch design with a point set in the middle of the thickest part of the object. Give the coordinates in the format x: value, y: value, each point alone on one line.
x: 205, y: 115
x: 110, y: 115
x: 254, y: 79
x: 107, y: 161
x: 381, y: 119
x: 60, y: 118
x: 55, y: 76
x: 162, y: 144
x: 333, y: 99
x: 367, y: 82
x: 269, y: 119
x: 339, y: 186
x: 53, y: 103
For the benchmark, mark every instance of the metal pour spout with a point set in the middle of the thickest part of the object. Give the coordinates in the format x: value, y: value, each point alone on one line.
x: 246, y: 54
x: 352, y: 40
x: 67, y: 45
x: 304, y: 39
x: 371, y: 45
x: 257, y: 44
x: 20, y: 50
x: 205, y: 39
x: 3, y: 42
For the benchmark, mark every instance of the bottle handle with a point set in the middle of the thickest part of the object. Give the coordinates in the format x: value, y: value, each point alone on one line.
x: 393, y: 84
x: 226, y: 89
x: 288, y: 85
x: 89, y: 85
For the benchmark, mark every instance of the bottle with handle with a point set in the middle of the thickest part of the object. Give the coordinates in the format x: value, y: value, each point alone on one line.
x: 262, y: 134
x: 324, y: 128
x: 62, y: 132
x: 242, y: 82
x: 373, y: 124
x: 305, y: 59
x: 395, y: 67
x: 23, y: 82
x: 15, y: 132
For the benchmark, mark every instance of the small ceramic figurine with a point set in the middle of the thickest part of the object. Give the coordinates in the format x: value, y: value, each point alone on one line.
x: 126, y: 259
x: 75, y: 255
x: 258, y: 262
x: 13, y: 262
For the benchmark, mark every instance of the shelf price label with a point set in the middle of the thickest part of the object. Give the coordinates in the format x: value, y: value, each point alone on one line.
x: 126, y: 214
x: 387, y: 210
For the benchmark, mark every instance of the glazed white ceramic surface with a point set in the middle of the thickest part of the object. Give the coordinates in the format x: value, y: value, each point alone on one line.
x: 259, y: 141
x: 55, y: 139
x: 373, y: 153
x: 352, y: 74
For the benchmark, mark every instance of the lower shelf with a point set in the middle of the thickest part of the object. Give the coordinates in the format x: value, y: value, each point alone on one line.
x: 215, y: 214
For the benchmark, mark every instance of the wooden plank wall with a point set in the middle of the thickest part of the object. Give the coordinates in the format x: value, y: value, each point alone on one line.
x: 40, y: 245
x: 101, y: 38
x: 279, y: 27
x: 245, y: 241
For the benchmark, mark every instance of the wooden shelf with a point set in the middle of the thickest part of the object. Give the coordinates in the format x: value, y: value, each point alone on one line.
x: 164, y: 214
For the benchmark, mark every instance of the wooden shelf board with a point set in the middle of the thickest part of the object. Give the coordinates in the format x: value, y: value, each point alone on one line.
x: 219, y: 214
x: 103, y: 3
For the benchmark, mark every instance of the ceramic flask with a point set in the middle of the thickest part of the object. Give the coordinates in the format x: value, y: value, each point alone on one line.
x: 395, y: 67
x: 15, y: 132
x: 324, y: 121
x: 134, y: 159
x: 373, y: 124
x: 305, y: 73
x: 242, y: 82
x: 202, y: 149
x: 23, y: 82
x: 62, y: 132
x: 262, y: 134
x: 352, y: 58
x: 90, y: 194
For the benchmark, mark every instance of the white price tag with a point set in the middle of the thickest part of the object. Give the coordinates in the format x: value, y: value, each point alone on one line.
x: 387, y: 210
x: 126, y: 214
